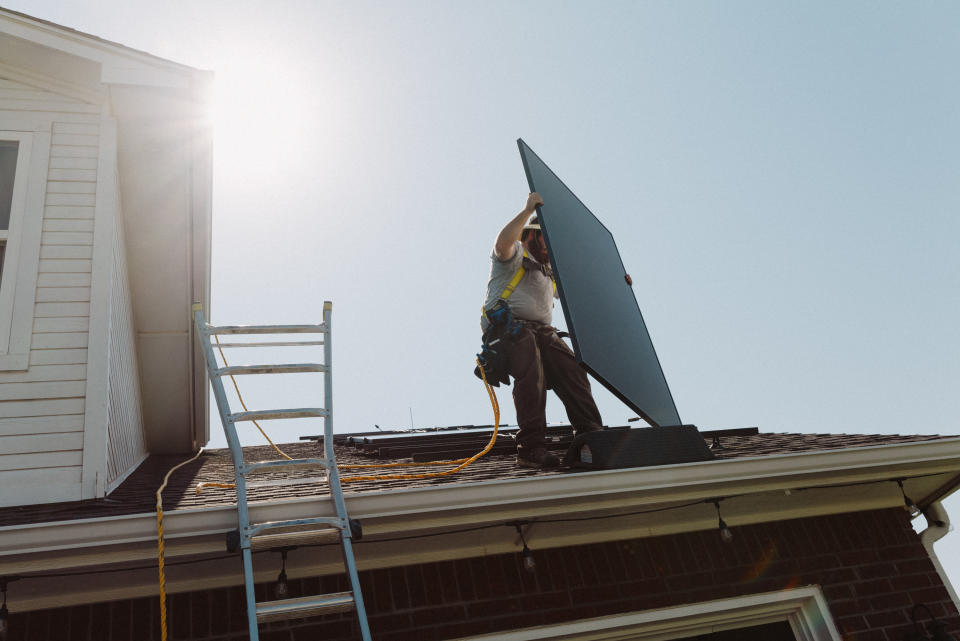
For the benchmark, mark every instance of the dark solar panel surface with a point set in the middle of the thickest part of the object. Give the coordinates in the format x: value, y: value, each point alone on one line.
x: 609, y: 336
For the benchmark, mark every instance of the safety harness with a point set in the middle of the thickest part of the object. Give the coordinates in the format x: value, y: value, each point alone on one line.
x: 518, y: 276
x: 492, y: 360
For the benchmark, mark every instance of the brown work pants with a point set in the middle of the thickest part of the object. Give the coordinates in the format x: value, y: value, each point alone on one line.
x: 540, y: 360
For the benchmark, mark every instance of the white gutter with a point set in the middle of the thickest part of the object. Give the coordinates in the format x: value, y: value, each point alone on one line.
x: 394, y: 512
x: 938, y: 525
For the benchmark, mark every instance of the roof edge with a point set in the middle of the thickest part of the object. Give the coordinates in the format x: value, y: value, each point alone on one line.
x: 120, y: 64
x: 449, y: 506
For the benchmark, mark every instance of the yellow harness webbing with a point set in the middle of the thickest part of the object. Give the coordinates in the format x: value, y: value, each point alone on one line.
x: 512, y: 285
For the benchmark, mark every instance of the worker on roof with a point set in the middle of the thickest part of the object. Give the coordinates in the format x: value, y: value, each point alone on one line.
x: 518, y: 312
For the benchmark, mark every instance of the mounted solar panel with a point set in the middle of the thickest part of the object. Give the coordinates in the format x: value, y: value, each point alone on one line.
x: 610, y: 339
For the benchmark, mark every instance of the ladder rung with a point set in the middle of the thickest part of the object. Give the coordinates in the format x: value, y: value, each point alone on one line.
x: 267, y: 329
x: 271, y: 344
x: 261, y: 415
x: 263, y: 466
x: 306, y: 606
x: 297, y: 368
x: 292, y: 525
x: 251, y: 485
x: 293, y: 539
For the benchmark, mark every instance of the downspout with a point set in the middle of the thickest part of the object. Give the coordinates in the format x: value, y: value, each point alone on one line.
x: 938, y: 525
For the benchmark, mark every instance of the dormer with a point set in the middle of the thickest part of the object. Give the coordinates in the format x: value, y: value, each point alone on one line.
x: 105, y: 201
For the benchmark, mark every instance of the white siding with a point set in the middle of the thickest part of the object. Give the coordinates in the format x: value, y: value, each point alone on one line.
x: 42, y: 409
x: 126, y: 444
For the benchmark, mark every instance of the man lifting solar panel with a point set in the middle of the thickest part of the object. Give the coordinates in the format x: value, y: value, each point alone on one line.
x: 606, y: 327
x: 566, y: 246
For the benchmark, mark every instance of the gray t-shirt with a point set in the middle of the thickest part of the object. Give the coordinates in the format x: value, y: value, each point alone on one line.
x: 533, y: 297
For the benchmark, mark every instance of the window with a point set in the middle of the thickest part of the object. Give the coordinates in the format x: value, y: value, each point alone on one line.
x: 799, y: 614
x: 8, y: 173
x: 24, y: 159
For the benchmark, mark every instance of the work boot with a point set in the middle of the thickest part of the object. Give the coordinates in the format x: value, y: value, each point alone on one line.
x: 539, y: 458
x: 577, y: 431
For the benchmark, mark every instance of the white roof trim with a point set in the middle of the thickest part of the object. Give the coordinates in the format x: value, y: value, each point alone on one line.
x: 119, y: 64
x: 393, y: 512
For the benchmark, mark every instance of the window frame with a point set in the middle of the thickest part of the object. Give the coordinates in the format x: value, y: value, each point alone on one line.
x: 18, y: 281
x: 805, y: 609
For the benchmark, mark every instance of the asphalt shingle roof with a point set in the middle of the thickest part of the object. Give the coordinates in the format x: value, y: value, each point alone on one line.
x: 137, y: 494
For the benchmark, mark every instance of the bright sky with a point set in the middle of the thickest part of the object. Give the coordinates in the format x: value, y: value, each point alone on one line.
x: 781, y: 180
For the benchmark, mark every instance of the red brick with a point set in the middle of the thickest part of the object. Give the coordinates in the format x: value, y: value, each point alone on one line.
x: 910, y: 583
x: 79, y: 623
x: 444, y: 614
x: 388, y: 622
x: 868, y: 588
x: 886, y: 619
x: 685, y: 583
x: 930, y: 595
x: 851, y: 624
x: 915, y: 566
x: 877, y: 571
x: 100, y: 622
x: 491, y: 608
x: 331, y: 631
x: 432, y: 583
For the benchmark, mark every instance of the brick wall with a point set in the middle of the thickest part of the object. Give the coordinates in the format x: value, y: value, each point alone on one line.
x: 871, y: 566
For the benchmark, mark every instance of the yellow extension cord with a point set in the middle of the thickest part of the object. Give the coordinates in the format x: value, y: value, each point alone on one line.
x: 160, y: 560
x: 460, y: 464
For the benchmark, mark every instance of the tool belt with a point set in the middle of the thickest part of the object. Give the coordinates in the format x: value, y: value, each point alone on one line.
x: 493, y: 354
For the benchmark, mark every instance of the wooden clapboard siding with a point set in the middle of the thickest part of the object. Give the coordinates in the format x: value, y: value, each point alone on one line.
x: 63, y: 294
x: 54, y: 212
x: 61, y: 224
x: 41, y: 390
x: 58, y: 357
x: 60, y: 340
x: 39, y: 459
x: 73, y: 163
x: 66, y: 264
x: 50, y: 407
x: 41, y: 424
x: 61, y: 324
x: 48, y: 485
x: 42, y: 409
x: 63, y: 279
x: 48, y: 310
x: 76, y: 372
x: 52, y: 442
x: 72, y: 174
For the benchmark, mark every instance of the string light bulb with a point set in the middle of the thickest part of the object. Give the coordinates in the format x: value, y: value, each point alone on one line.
x: 529, y: 563
x: 281, y: 590
x: 4, y: 613
x: 907, y: 501
x: 725, y: 534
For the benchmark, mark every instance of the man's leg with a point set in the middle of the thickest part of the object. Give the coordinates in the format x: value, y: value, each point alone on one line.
x: 565, y: 376
x: 529, y: 394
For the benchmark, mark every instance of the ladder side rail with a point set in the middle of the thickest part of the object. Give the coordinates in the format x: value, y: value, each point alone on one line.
x: 336, y: 492
x: 236, y: 453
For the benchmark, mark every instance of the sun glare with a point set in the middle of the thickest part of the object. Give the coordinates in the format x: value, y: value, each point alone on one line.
x: 259, y: 111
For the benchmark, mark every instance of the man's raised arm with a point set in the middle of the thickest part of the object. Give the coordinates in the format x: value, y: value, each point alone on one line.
x: 510, y: 234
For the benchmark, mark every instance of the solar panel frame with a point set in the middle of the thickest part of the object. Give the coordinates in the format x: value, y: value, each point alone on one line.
x: 666, y: 415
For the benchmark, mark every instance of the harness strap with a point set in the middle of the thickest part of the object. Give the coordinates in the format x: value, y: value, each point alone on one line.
x: 517, y: 277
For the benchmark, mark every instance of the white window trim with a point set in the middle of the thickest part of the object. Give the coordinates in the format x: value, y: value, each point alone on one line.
x: 18, y: 291
x: 804, y: 608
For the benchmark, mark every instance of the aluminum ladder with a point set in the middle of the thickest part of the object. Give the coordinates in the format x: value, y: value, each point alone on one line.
x: 251, y: 537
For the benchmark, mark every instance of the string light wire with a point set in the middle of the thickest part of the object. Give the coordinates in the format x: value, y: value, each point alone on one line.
x: 463, y: 530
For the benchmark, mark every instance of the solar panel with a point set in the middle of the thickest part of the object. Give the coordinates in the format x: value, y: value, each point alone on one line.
x: 609, y: 337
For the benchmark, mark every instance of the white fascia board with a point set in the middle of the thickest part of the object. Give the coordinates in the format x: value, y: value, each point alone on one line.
x: 394, y: 512
x: 119, y: 64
